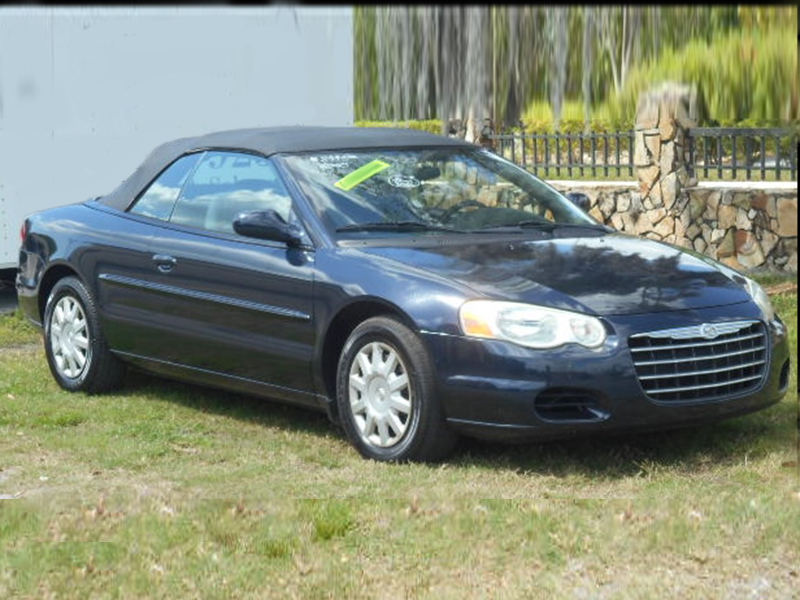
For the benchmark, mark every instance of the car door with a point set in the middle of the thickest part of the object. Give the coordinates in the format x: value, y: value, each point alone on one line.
x: 120, y: 260
x: 225, y: 305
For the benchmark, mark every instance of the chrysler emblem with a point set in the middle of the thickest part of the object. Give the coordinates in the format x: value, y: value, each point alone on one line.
x: 709, y: 331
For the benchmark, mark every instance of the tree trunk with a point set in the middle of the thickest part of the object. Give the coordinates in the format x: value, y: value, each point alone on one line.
x: 586, y: 66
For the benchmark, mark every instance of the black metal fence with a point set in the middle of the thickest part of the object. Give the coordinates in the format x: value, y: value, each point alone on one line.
x: 712, y: 153
x: 568, y: 154
x: 729, y: 152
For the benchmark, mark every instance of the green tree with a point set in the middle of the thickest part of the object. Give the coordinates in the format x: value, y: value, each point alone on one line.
x: 476, y: 62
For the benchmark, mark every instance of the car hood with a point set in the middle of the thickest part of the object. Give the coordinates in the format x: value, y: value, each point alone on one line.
x: 607, y: 275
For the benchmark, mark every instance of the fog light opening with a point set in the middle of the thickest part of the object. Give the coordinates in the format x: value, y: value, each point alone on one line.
x: 569, y: 406
x: 784, y: 379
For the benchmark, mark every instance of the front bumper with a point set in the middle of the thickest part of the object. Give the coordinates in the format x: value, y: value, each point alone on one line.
x: 498, y: 390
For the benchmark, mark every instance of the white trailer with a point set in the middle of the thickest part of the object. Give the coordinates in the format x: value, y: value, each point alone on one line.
x: 87, y: 93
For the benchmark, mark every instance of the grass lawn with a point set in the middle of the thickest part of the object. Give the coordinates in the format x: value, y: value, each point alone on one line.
x: 165, y: 490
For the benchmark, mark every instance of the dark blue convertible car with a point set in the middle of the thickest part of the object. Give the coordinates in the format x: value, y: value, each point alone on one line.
x: 415, y: 287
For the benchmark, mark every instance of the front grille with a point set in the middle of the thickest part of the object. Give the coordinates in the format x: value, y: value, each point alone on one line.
x: 705, y: 362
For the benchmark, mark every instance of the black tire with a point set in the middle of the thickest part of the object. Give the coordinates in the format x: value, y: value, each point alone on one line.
x: 389, y: 409
x: 76, y: 350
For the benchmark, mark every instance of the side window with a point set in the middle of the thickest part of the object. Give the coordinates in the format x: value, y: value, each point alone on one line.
x: 225, y: 184
x: 159, y: 198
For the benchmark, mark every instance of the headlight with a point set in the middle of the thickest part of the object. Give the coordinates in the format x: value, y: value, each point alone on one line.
x: 530, y: 325
x: 761, y: 298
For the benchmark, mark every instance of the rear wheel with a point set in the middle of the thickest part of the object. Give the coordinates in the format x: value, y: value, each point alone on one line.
x: 386, y: 395
x: 76, y: 350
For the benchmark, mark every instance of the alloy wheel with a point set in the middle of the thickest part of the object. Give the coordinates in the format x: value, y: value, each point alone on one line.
x: 380, y: 394
x: 69, y: 337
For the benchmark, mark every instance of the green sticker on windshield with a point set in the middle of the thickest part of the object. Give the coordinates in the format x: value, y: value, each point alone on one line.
x: 361, y: 174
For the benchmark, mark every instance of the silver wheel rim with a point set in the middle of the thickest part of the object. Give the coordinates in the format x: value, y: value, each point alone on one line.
x: 69, y: 337
x: 381, y: 400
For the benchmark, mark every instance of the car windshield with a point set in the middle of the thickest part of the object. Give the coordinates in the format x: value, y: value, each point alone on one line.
x: 428, y: 191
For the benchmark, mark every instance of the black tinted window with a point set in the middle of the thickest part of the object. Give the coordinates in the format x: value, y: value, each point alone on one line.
x: 160, y: 196
x: 225, y: 184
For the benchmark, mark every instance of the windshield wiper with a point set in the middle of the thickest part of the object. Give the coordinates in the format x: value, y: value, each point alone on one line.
x: 397, y: 226
x: 548, y: 226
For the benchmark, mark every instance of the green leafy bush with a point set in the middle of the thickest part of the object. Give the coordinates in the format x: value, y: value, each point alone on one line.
x: 431, y: 125
x: 747, y: 75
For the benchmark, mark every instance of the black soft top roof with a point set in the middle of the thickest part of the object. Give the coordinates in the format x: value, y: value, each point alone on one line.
x: 273, y: 140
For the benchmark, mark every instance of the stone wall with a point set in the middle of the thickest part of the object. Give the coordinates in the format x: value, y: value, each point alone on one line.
x: 745, y: 226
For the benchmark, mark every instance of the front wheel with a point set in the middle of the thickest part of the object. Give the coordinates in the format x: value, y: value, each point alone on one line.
x: 76, y: 350
x: 386, y: 395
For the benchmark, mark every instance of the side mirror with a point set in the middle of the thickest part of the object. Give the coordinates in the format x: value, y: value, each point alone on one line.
x: 267, y: 225
x: 579, y: 199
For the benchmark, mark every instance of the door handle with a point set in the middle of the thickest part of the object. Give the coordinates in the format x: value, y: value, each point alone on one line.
x: 164, y: 262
